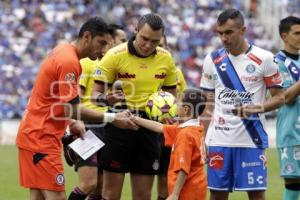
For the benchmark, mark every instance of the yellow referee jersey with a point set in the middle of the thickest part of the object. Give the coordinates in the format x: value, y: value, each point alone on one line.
x: 87, y: 81
x: 140, y: 76
x: 181, y: 84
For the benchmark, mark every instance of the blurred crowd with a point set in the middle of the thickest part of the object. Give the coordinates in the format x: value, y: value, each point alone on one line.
x: 30, y: 28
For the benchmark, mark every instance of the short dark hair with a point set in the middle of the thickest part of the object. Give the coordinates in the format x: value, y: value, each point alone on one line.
x: 114, y: 28
x: 96, y: 26
x: 286, y: 24
x: 195, y: 99
x: 153, y: 20
x: 233, y: 14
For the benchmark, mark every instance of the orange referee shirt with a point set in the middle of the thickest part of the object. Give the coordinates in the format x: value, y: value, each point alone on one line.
x: 43, y: 124
x: 187, y: 141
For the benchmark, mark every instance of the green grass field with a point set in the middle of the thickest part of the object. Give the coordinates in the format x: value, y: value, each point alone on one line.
x: 10, y: 189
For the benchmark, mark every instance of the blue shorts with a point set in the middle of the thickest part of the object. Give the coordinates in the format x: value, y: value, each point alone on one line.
x: 233, y: 168
x: 289, y: 160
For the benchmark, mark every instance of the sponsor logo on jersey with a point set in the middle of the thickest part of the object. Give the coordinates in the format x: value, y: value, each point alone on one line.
x: 60, y: 179
x: 210, y: 77
x: 219, y: 128
x: 126, y: 75
x: 219, y: 59
x: 160, y: 76
x: 250, y: 164
x: 227, y: 96
x: 251, y: 79
x: 223, y: 67
x: 216, y: 160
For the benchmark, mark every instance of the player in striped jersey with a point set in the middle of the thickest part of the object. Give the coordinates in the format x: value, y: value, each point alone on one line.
x: 288, y: 124
x: 236, y: 78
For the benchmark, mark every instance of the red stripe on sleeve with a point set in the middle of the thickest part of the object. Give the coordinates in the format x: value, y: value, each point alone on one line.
x: 254, y: 58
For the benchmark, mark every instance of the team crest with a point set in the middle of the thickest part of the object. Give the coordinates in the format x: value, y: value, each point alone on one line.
x: 60, y: 179
x: 250, y: 68
x: 70, y: 77
x: 98, y: 72
x: 155, y: 165
x: 289, y: 168
x: 264, y: 160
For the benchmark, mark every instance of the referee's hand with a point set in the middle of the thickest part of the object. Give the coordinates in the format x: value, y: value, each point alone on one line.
x: 124, y: 120
x: 115, y: 97
x: 77, y: 128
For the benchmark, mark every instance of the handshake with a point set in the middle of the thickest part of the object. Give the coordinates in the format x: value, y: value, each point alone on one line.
x: 124, y: 120
x: 127, y: 120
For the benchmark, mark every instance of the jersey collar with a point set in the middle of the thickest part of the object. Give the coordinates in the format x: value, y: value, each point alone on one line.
x: 191, y: 122
x: 133, y: 51
x: 292, y: 56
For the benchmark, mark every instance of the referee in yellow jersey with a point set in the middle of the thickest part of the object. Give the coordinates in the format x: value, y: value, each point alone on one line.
x: 143, y: 68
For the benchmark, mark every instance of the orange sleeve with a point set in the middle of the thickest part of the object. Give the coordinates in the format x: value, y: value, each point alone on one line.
x: 68, y: 76
x: 170, y: 133
x: 183, y: 150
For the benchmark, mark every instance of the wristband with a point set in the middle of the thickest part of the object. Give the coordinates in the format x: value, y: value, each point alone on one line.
x: 109, y: 117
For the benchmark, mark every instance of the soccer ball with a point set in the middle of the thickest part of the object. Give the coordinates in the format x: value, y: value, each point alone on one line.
x: 161, y: 105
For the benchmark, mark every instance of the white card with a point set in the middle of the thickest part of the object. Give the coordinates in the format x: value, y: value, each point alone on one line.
x: 87, y: 147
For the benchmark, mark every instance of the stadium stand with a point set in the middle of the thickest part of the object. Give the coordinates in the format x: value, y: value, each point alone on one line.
x: 33, y: 27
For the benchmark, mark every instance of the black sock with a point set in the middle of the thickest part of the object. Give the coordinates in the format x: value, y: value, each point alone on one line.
x: 94, y: 197
x: 161, y: 198
x: 77, y: 194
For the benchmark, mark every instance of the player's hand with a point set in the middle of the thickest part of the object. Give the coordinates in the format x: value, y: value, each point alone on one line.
x: 247, y: 110
x: 115, y: 97
x: 134, y: 118
x: 204, y: 152
x: 172, y: 197
x: 124, y: 120
x: 77, y: 128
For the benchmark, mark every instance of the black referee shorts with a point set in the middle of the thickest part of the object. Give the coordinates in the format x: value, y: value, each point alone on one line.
x: 164, y: 159
x: 131, y: 151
